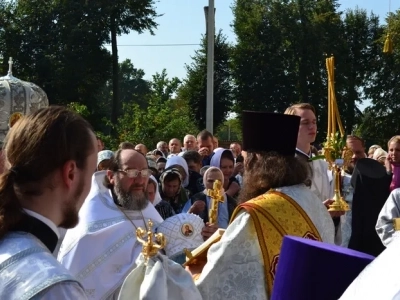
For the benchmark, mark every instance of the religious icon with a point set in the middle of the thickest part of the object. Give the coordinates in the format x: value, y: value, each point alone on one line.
x: 187, y: 230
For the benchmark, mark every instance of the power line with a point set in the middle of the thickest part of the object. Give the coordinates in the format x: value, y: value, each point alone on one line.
x: 155, y: 45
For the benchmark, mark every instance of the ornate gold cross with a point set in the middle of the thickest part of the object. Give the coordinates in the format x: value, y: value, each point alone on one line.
x: 150, y: 247
x: 217, y: 196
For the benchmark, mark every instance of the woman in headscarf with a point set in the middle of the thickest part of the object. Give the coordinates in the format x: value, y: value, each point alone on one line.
x: 200, y: 203
x: 189, y: 179
x: 153, y: 192
x: 172, y: 190
x: 225, y: 161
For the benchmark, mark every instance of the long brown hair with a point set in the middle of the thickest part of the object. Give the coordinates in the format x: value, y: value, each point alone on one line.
x: 35, y: 147
x: 267, y: 170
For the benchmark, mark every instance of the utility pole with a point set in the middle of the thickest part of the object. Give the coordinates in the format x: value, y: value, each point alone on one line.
x: 210, y: 33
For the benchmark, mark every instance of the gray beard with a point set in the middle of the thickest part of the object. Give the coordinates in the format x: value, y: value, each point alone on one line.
x: 130, y: 201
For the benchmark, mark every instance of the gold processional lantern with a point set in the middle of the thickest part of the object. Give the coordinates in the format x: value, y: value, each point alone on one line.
x: 17, y: 98
x: 388, y: 46
x: 335, y: 151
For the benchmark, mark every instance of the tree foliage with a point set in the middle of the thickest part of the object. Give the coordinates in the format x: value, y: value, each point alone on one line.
x: 194, y: 88
x: 280, y: 56
x: 382, y: 119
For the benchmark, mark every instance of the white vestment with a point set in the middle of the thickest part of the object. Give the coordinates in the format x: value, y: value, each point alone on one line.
x: 380, y: 279
x: 391, y: 210
x: 234, y: 268
x: 321, y: 180
x: 102, y: 250
x: 346, y: 219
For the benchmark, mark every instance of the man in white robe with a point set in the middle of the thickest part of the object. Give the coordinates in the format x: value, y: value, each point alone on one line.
x: 391, y: 210
x: 50, y: 155
x: 321, y: 177
x: 102, y: 250
x: 234, y: 268
x: 379, y: 280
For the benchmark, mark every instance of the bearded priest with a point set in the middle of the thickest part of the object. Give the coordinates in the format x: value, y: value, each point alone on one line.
x: 275, y: 202
x: 101, y: 251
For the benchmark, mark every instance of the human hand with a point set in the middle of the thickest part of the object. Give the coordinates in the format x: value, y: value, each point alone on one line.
x: 238, y: 168
x: 204, y: 151
x: 388, y: 163
x: 196, y: 268
x: 209, y: 230
x: 333, y: 213
x: 197, y: 207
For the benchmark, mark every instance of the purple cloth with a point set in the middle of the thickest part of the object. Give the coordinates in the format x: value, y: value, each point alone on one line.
x: 312, y: 270
x: 396, y: 176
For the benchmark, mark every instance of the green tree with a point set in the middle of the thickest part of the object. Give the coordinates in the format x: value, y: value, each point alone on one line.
x: 164, y: 88
x: 356, y: 62
x: 163, y: 118
x: 280, y: 56
x: 59, y: 46
x: 194, y: 88
x: 121, y: 17
x: 382, y: 118
x: 230, y: 130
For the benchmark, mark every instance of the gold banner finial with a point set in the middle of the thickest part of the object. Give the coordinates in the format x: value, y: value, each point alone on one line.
x: 14, y: 118
x: 217, y: 196
x: 150, y: 248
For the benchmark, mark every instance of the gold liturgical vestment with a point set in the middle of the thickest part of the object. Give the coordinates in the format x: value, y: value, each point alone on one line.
x: 275, y: 215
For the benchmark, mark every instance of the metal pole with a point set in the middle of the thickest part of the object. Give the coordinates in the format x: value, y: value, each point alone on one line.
x: 210, y: 25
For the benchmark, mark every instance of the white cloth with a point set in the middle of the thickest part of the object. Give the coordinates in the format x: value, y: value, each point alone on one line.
x: 102, y: 250
x: 321, y: 181
x: 323, y: 187
x: 234, y: 268
x: 63, y: 290
x: 180, y: 161
x: 157, y: 198
x: 380, y: 279
x: 391, y: 210
x: 345, y: 220
x: 161, y: 279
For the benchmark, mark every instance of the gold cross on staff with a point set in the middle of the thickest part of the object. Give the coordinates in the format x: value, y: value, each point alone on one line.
x: 217, y: 196
x: 150, y: 248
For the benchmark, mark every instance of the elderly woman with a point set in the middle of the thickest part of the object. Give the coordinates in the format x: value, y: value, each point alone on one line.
x: 199, y: 204
x: 372, y: 150
x: 380, y: 155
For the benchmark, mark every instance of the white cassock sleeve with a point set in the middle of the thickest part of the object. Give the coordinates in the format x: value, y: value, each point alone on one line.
x: 63, y: 291
x: 391, y: 209
x: 234, y: 268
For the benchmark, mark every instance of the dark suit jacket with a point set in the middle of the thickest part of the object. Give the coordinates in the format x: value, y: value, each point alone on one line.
x: 371, y: 190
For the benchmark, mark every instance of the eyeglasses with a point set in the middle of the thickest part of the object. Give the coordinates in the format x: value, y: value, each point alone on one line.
x: 133, y: 173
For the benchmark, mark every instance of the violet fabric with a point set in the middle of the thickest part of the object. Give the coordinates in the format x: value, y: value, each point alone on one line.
x: 312, y: 270
x: 279, y: 132
x: 396, y: 176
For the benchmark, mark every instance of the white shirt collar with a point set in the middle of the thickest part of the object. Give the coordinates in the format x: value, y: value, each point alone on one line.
x: 309, y: 154
x: 46, y: 221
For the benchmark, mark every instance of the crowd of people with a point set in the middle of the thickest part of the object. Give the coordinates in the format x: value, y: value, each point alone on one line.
x: 70, y: 208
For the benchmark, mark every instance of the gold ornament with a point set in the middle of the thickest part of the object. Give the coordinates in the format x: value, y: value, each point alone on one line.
x: 150, y: 248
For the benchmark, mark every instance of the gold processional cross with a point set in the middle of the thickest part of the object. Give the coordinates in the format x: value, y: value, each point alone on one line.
x: 217, y: 196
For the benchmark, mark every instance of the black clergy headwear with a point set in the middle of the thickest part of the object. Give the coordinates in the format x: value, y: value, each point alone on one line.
x: 263, y: 131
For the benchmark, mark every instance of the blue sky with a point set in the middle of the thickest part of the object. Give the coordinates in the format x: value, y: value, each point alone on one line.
x: 183, y: 22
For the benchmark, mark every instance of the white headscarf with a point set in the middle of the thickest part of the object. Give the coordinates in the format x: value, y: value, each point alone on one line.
x: 216, y: 158
x: 180, y: 161
x: 157, y: 198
